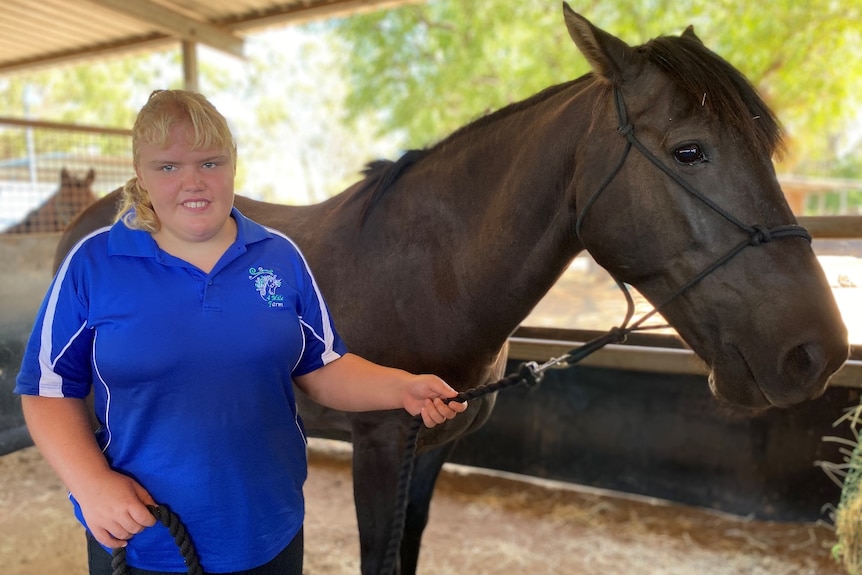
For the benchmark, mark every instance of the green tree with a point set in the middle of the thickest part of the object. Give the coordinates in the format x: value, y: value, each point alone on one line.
x: 426, y: 69
x: 103, y: 93
x: 97, y: 93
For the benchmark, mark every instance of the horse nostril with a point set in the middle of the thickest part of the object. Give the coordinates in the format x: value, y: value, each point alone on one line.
x: 805, y: 365
x: 800, y: 359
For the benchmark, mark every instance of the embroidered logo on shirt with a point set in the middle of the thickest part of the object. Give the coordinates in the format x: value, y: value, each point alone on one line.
x: 266, y: 282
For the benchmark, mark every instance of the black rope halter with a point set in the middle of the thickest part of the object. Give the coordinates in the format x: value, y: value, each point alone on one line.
x: 757, y: 234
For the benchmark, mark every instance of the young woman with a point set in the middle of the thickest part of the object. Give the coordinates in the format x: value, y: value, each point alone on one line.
x: 190, y: 323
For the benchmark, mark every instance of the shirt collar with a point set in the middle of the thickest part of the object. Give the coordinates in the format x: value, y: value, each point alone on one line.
x: 125, y: 241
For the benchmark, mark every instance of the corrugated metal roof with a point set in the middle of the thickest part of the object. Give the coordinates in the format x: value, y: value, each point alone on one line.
x: 36, y: 33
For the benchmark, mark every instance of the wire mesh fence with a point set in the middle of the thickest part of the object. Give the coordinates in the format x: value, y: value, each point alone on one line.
x: 49, y: 172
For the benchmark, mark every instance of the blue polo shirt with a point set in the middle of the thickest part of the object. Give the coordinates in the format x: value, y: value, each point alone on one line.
x: 192, y: 378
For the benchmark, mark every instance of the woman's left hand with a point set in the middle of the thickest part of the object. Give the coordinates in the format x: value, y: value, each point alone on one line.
x: 426, y: 397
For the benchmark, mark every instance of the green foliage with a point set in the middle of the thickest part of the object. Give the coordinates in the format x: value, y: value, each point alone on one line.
x: 427, y: 69
x: 100, y: 93
x: 104, y: 93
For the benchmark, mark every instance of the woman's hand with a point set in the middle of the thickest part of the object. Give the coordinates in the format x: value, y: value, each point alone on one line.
x: 114, y: 505
x: 426, y: 395
x: 115, y: 508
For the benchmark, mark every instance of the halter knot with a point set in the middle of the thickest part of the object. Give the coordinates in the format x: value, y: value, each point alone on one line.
x: 759, y: 235
x: 626, y: 130
x: 618, y: 334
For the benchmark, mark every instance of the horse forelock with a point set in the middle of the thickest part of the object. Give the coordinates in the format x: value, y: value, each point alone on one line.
x: 714, y: 83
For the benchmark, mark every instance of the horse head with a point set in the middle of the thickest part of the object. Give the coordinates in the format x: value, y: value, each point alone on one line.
x: 73, y: 196
x: 690, y: 212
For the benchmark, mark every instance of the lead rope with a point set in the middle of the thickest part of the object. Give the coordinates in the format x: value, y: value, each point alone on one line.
x: 181, y: 537
x: 531, y: 373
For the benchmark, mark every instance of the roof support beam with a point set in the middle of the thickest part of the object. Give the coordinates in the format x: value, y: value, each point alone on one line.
x: 176, y: 24
x: 306, y: 12
x: 169, y: 25
x: 73, y: 56
x: 190, y: 65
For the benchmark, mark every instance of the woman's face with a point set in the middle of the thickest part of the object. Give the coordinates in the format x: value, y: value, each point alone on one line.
x: 191, y: 190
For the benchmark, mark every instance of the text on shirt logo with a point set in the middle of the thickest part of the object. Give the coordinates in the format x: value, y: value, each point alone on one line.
x: 266, y: 282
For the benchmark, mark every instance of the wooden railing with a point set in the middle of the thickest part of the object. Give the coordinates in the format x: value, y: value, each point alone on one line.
x: 650, y: 359
x: 833, y: 227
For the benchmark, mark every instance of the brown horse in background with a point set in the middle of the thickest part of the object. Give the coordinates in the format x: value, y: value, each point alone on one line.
x: 658, y: 162
x: 73, y: 197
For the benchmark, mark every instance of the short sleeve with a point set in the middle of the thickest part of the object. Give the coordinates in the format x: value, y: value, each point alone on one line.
x: 322, y: 342
x: 56, y: 360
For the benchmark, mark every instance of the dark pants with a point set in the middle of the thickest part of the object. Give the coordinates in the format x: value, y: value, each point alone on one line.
x: 288, y: 562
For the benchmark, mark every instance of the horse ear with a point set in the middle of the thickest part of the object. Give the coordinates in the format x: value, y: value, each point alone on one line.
x: 689, y: 33
x: 91, y: 175
x: 608, y: 55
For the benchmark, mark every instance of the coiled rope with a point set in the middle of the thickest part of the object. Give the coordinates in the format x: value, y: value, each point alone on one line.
x: 181, y: 537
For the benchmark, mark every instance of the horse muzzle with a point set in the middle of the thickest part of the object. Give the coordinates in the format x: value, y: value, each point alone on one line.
x: 760, y: 378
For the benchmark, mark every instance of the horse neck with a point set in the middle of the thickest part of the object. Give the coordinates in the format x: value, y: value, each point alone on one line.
x: 505, y: 191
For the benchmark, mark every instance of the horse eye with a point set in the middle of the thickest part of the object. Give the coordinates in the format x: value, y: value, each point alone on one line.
x: 689, y: 154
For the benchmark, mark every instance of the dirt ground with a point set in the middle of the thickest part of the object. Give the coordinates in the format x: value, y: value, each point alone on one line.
x: 481, y: 523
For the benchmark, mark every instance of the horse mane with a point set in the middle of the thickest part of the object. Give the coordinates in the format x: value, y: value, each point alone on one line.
x: 712, y: 82
x: 705, y: 76
x: 381, y: 174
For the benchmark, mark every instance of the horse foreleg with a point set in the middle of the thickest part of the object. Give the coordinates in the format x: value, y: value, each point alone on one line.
x: 379, y: 447
x: 425, y: 472
x: 379, y: 452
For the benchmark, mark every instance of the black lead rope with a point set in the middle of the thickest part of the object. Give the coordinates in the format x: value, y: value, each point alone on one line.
x: 181, y: 537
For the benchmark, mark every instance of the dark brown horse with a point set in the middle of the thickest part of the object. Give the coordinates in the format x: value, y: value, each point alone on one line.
x: 70, y: 199
x: 658, y: 163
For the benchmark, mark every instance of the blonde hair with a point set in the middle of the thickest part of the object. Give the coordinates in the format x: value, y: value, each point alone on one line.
x: 164, y: 110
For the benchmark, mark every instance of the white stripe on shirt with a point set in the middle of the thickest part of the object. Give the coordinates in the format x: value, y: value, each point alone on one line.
x: 51, y: 383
